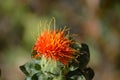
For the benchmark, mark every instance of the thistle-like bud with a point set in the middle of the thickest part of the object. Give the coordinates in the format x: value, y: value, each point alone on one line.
x: 56, y: 56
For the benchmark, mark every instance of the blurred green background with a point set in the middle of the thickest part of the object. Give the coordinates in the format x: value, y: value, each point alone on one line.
x: 96, y: 22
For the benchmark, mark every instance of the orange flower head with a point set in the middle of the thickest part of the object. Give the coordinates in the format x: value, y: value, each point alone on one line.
x: 54, y: 44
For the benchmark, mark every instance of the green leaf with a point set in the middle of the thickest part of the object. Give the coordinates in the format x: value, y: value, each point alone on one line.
x: 24, y: 70
x: 35, y: 77
x: 31, y: 68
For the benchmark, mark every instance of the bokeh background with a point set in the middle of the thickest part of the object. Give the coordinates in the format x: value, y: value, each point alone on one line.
x: 96, y: 22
